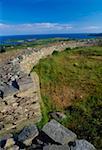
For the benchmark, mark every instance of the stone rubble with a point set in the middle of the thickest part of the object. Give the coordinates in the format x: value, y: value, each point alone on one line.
x: 32, y: 139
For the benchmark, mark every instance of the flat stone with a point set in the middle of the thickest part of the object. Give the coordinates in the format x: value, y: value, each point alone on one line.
x: 56, y: 147
x: 82, y: 145
x: 57, y: 115
x: 59, y: 133
x: 3, y: 140
x: 9, y: 143
x: 15, y: 147
x: 28, y: 134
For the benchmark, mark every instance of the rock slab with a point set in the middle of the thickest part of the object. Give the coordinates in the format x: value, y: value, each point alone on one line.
x: 28, y: 134
x: 59, y: 133
x: 83, y: 145
x: 56, y: 147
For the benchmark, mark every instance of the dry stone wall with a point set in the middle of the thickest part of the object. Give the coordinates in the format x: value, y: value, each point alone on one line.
x: 33, y: 58
x: 19, y: 91
x: 19, y: 96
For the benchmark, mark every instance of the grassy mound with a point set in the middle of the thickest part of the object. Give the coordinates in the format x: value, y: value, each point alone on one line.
x: 71, y: 82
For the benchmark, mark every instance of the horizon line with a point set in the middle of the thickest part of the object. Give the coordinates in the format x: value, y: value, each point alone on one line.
x: 52, y: 34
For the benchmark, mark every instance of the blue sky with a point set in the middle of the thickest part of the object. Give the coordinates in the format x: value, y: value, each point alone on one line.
x: 50, y: 16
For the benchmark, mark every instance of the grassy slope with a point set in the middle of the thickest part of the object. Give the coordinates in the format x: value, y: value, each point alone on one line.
x: 71, y: 81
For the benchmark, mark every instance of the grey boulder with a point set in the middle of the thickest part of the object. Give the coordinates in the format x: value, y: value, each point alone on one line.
x: 28, y: 134
x: 59, y: 133
x: 56, y: 147
x: 82, y: 145
x: 57, y: 115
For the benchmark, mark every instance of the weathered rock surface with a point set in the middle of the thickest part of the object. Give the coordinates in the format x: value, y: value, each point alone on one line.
x: 14, y: 147
x: 59, y: 133
x: 4, y: 141
x: 82, y: 145
x: 9, y: 143
x: 57, y: 115
x: 56, y: 147
x: 28, y: 134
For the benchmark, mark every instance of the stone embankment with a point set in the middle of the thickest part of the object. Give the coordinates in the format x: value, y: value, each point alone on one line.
x: 53, y: 136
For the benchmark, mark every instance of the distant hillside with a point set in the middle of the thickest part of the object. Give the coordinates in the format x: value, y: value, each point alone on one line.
x: 96, y: 34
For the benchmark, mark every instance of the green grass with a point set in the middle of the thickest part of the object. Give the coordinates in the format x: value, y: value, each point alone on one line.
x: 71, y: 81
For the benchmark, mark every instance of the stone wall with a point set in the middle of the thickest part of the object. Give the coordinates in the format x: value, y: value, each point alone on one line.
x: 19, y: 96
x: 19, y: 91
x: 33, y: 58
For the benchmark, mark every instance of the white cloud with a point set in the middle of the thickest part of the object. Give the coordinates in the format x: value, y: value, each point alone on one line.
x: 93, y: 27
x: 34, y: 28
x: 47, y: 28
x: 3, y: 26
